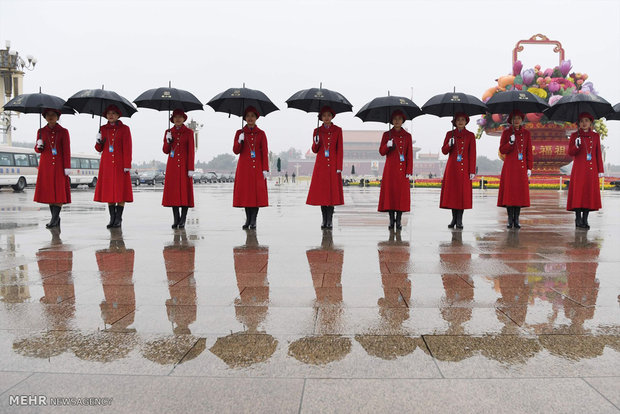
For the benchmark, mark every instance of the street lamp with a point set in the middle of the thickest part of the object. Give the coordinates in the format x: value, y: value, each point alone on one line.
x: 12, y: 67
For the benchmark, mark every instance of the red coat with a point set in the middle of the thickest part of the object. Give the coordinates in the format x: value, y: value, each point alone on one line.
x: 178, y: 187
x: 250, y: 189
x: 456, y: 185
x: 395, y: 189
x: 326, y: 184
x: 53, y: 186
x: 583, y: 190
x: 113, y: 184
x: 116, y: 269
x: 514, y: 187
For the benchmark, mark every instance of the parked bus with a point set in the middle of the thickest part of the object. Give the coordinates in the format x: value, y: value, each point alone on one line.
x: 18, y: 167
x: 84, y: 169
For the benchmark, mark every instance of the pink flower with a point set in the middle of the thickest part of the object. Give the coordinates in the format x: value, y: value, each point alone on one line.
x: 537, y: 67
x: 528, y: 76
x: 554, y: 87
x: 565, y: 67
x: 548, y: 72
x: 516, y: 68
x: 554, y: 99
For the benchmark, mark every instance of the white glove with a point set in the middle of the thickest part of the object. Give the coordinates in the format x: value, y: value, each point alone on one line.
x: 408, y: 175
x: 190, y: 174
x: 471, y: 177
x: 265, y: 174
x: 512, y: 139
x: 98, y: 137
x: 390, y: 143
x: 451, y: 141
x: 40, y: 144
x: 241, y: 137
x: 169, y: 137
x: 600, y: 175
x: 578, y: 142
x: 126, y: 170
x: 67, y: 171
x: 338, y: 171
x: 529, y: 173
x: 316, y: 139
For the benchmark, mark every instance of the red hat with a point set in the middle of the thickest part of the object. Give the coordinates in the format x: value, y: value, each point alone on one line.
x: 326, y: 108
x: 178, y: 112
x: 517, y: 113
x: 586, y: 115
x: 112, y: 108
x: 398, y: 112
x: 46, y: 110
x: 251, y: 109
x: 456, y: 115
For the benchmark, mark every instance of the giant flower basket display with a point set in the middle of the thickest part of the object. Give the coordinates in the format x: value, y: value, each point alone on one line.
x: 549, y: 138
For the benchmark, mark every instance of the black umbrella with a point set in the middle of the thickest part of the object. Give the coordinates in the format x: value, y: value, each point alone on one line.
x: 35, y: 103
x: 569, y: 107
x: 94, y: 101
x: 234, y: 101
x: 381, y: 109
x: 450, y: 103
x: 615, y: 115
x: 313, y: 99
x: 167, y: 99
x: 508, y: 101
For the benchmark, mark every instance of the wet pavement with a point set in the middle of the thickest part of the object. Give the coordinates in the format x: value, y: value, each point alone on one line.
x: 288, y: 318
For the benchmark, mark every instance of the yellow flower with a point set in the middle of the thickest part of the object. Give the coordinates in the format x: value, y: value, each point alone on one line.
x: 541, y: 93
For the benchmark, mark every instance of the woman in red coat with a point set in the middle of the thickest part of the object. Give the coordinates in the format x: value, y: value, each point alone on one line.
x: 326, y: 184
x: 179, y: 183
x: 53, y: 182
x: 250, y: 189
x: 514, y: 190
x: 583, y: 192
x: 460, y: 144
x: 397, y: 147
x: 114, y: 181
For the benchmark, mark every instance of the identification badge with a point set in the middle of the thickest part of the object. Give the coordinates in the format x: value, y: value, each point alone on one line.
x: 589, y: 157
x: 172, y: 154
x: 326, y: 153
x: 54, y: 152
x: 520, y: 156
x: 111, y: 148
x: 402, y: 157
x: 459, y: 158
x: 252, y: 154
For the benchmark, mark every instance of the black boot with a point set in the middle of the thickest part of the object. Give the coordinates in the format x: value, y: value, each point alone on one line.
x: 453, y: 222
x: 516, y: 211
x: 399, y: 215
x: 578, y: 218
x: 118, y: 216
x: 324, y: 214
x: 48, y: 225
x: 55, y: 222
x: 392, y: 219
x: 177, y: 217
x: 584, y: 220
x: 459, y: 219
x: 253, y: 215
x: 248, y: 215
x: 183, y: 217
x: 330, y: 216
x: 112, y: 210
x: 509, y: 209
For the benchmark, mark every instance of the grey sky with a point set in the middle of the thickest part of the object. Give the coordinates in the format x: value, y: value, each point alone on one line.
x: 359, y: 48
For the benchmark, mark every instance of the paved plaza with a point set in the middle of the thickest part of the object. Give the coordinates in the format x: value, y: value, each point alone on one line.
x: 289, y: 318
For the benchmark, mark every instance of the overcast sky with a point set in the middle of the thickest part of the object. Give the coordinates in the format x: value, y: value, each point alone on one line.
x: 361, y: 49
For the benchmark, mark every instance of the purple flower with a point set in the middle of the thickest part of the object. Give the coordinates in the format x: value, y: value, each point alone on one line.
x: 516, y: 68
x: 482, y: 121
x: 528, y: 76
x: 565, y: 67
x: 554, y: 99
x: 588, y: 87
x: 554, y: 87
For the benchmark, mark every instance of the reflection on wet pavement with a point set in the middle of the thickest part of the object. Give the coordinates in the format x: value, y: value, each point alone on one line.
x: 293, y: 302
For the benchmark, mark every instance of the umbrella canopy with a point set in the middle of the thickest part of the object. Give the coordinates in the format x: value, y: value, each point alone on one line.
x: 615, y: 115
x: 569, y: 107
x: 381, y: 109
x: 168, y: 99
x: 235, y: 100
x: 450, y: 103
x: 313, y: 99
x: 95, y: 101
x: 35, y: 103
x: 508, y: 101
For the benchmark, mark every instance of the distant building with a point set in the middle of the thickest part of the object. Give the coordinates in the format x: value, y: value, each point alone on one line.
x: 426, y: 164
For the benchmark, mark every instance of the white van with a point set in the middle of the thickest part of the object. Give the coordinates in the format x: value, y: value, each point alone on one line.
x: 84, y: 169
x: 18, y: 167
